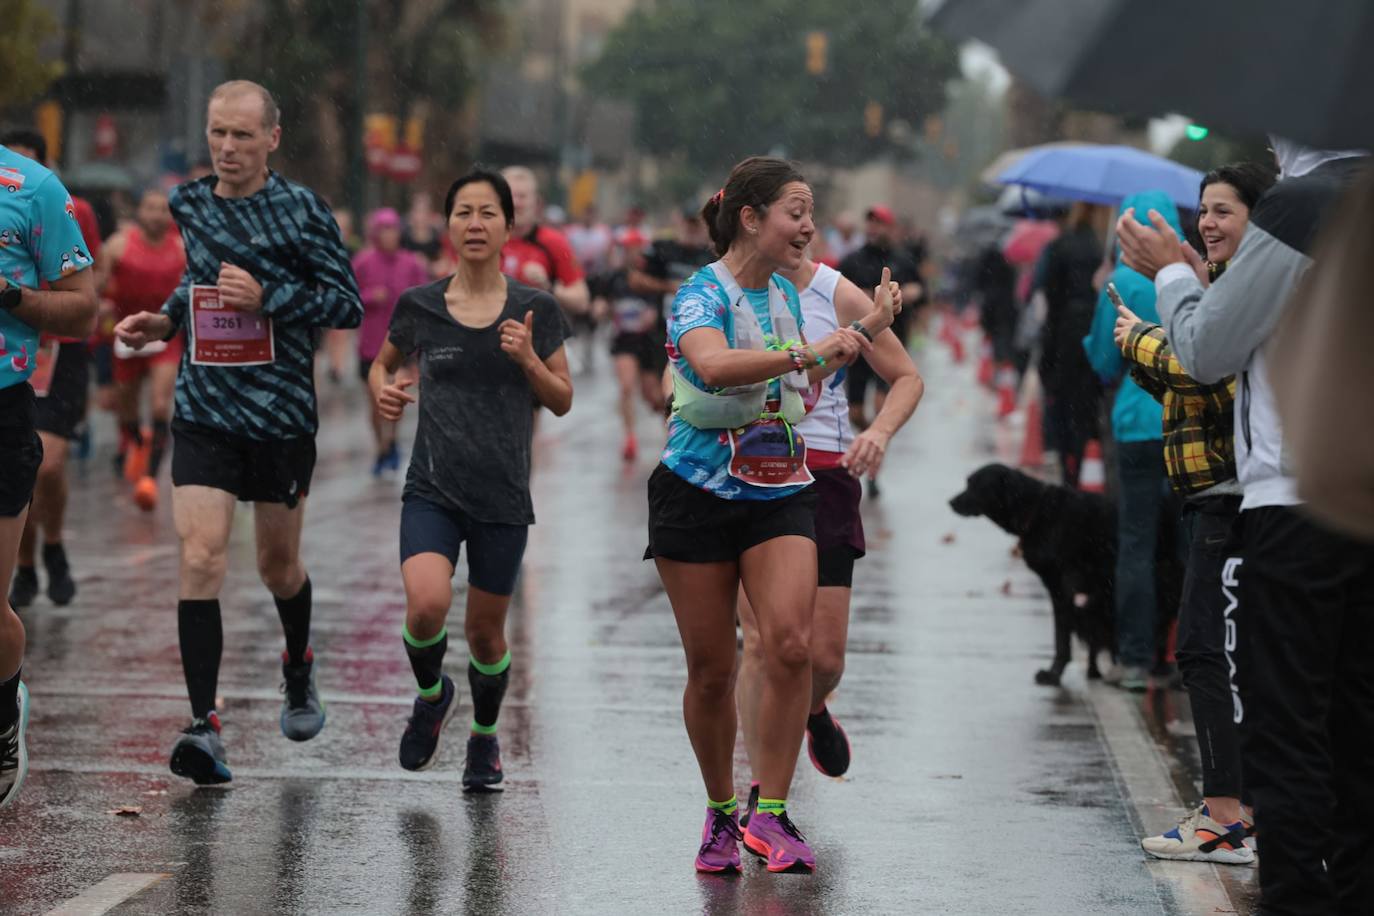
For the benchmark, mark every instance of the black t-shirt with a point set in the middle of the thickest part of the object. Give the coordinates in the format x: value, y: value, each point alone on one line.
x: 666, y: 259
x: 864, y: 267
x: 472, y: 445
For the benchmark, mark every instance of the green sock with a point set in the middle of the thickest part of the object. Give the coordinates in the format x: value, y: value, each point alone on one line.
x: 773, y: 806
x: 729, y: 807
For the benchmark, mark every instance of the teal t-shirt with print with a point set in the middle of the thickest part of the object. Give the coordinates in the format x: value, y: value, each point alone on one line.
x: 40, y: 241
x: 702, y: 456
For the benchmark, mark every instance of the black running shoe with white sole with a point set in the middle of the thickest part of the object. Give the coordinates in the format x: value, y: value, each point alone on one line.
x: 14, y: 755
x: 482, y: 772
x: 424, y: 732
x: 198, y: 754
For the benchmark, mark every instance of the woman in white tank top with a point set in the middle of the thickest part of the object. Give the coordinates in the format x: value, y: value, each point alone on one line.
x: 838, y: 459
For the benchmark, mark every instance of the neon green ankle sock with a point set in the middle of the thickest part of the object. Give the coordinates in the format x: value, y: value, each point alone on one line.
x: 773, y: 806
x: 729, y: 807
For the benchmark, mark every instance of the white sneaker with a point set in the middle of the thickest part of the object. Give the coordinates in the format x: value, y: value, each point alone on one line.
x: 14, y: 757
x: 1198, y: 838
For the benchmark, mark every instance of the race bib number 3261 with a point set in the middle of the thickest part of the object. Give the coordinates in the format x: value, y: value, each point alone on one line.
x: 224, y: 336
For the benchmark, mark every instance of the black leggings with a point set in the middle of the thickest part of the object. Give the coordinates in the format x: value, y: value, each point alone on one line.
x: 1202, y: 645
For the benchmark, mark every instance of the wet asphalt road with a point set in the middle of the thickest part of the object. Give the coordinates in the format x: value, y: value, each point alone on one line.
x: 972, y: 791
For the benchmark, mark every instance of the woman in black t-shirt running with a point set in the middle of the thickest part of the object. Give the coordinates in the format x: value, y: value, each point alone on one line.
x: 488, y: 348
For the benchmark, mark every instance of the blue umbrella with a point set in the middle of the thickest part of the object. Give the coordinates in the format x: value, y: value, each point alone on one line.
x: 1102, y: 174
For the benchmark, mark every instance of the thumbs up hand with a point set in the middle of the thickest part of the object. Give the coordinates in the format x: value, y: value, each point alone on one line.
x: 517, y: 340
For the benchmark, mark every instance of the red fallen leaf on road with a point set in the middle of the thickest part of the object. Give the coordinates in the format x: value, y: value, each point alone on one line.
x: 947, y: 539
x: 127, y: 811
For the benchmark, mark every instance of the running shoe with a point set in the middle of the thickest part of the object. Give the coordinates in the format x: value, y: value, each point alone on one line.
x: 145, y: 494
x: 393, y: 459
x: 61, y: 586
x: 826, y: 744
x: 773, y: 837
x: 1198, y: 838
x: 1134, y: 678
x: 302, y: 713
x: 874, y: 491
x: 14, y: 756
x: 25, y: 587
x: 630, y: 450
x: 136, y: 458
x: 750, y: 808
x: 199, y: 753
x: 482, y: 772
x: 720, y: 840
x: 424, y: 731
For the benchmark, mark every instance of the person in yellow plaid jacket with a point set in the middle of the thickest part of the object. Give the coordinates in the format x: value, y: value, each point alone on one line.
x: 1199, y: 456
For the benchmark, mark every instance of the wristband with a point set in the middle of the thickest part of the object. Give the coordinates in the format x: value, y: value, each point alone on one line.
x: 820, y: 360
x: 859, y: 326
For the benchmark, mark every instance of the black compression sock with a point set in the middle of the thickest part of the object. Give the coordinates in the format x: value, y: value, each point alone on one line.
x: 9, y: 701
x: 488, y: 685
x: 159, y: 447
x: 295, y: 623
x: 202, y: 641
x: 427, y: 661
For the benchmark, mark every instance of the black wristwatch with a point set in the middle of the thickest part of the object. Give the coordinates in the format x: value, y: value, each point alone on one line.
x: 10, y: 297
x: 859, y: 326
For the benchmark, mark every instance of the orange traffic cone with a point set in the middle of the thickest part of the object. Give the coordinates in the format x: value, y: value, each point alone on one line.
x: 1093, y: 476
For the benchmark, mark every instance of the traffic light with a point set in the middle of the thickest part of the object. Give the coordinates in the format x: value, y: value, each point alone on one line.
x: 1196, y: 132
x: 817, y: 49
x: 873, y: 119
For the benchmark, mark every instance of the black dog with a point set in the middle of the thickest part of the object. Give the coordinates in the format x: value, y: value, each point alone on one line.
x: 1068, y: 538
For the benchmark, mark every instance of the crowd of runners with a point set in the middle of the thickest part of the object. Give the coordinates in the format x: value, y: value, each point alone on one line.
x: 772, y: 351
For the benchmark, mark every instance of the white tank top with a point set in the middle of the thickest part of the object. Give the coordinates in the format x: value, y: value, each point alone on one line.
x: 826, y: 427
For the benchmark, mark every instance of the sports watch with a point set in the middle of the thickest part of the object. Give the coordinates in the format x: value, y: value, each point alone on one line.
x: 859, y: 326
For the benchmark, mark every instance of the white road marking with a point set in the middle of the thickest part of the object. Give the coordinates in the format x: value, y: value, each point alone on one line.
x: 108, y: 894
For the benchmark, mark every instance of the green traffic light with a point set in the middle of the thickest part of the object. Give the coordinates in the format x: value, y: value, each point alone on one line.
x: 1196, y: 132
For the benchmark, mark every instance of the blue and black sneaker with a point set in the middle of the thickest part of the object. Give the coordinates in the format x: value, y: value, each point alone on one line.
x: 302, y: 713
x: 420, y: 742
x: 482, y: 772
x: 199, y: 753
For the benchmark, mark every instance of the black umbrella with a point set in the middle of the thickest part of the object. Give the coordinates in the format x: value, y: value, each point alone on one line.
x: 1302, y: 69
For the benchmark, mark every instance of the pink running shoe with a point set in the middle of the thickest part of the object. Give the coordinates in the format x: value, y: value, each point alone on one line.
x: 774, y: 838
x: 719, y: 842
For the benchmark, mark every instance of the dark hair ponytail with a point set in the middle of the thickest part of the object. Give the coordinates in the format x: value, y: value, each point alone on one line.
x: 756, y: 182
x: 1250, y: 180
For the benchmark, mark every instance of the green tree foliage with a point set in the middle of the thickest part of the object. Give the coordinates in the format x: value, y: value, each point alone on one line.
x: 24, y: 74
x: 421, y: 52
x: 715, y: 80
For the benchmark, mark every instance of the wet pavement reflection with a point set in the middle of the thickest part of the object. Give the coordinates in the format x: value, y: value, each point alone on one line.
x: 972, y: 790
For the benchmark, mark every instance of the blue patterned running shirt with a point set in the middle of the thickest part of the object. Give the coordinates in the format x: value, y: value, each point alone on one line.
x: 286, y: 238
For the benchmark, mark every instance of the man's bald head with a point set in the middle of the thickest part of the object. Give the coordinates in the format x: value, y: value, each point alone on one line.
x: 238, y: 89
x: 524, y: 189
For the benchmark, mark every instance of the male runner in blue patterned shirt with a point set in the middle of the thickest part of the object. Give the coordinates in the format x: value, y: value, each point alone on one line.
x: 246, y: 431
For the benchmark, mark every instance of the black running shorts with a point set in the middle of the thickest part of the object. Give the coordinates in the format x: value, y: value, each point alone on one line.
x: 648, y: 349
x: 21, y: 451
x: 494, y: 550
x: 254, y: 470
x: 61, y: 412
x: 689, y: 525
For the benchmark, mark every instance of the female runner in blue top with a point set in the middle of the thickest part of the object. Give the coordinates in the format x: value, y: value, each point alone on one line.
x: 730, y: 502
